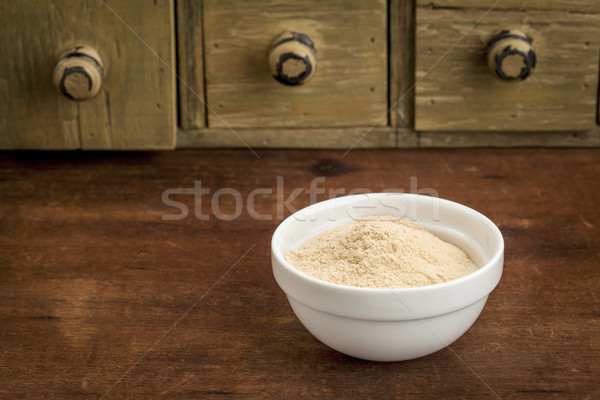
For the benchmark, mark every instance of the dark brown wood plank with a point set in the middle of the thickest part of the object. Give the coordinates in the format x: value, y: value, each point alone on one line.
x: 100, y: 295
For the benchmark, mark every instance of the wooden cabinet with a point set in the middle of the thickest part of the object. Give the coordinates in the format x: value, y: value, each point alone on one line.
x: 160, y: 74
x: 134, y: 107
x: 349, y: 87
x: 457, y: 91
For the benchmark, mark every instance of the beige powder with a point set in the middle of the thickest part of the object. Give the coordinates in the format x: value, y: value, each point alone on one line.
x: 381, y: 252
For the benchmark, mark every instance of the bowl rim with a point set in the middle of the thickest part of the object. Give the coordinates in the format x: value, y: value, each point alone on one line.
x: 496, y: 259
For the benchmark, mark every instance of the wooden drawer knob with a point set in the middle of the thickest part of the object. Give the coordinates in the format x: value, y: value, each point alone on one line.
x: 292, y: 58
x: 510, y: 55
x: 79, y: 73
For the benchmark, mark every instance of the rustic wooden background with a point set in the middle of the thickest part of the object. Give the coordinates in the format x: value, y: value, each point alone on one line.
x: 136, y: 108
x: 102, y: 298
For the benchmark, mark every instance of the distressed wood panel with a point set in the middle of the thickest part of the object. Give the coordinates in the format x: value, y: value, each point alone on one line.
x: 327, y: 138
x: 349, y: 88
x: 380, y: 137
x: 102, y: 299
x: 401, y: 62
x: 135, y: 108
x: 525, y: 5
x: 472, y: 139
x: 456, y: 91
x: 192, y: 101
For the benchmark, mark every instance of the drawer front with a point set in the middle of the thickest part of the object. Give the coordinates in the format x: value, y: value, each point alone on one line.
x: 133, y: 102
x: 456, y: 89
x: 349, y: 87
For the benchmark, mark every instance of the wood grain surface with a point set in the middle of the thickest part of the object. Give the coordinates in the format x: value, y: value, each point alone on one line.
x: 401, y: 62
x: 456, y: 91
x: 388, y: 137
x: 135, y: 109
x: 190, y: 56
x: 524, y: 5
x: 100, y: 297
x: 349, y: 87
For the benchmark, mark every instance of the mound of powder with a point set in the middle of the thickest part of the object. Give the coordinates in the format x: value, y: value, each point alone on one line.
x: 381, y: 252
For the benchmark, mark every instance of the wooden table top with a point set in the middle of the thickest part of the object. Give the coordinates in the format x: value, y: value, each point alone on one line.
x: 107, y: 291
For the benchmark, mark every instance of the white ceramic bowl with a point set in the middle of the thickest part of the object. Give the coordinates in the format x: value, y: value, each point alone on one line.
x: 390, y: 324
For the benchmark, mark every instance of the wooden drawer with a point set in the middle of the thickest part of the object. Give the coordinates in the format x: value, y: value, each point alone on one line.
x: 135, y: 104
x: 455, y: 89
x: 348, y: 89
